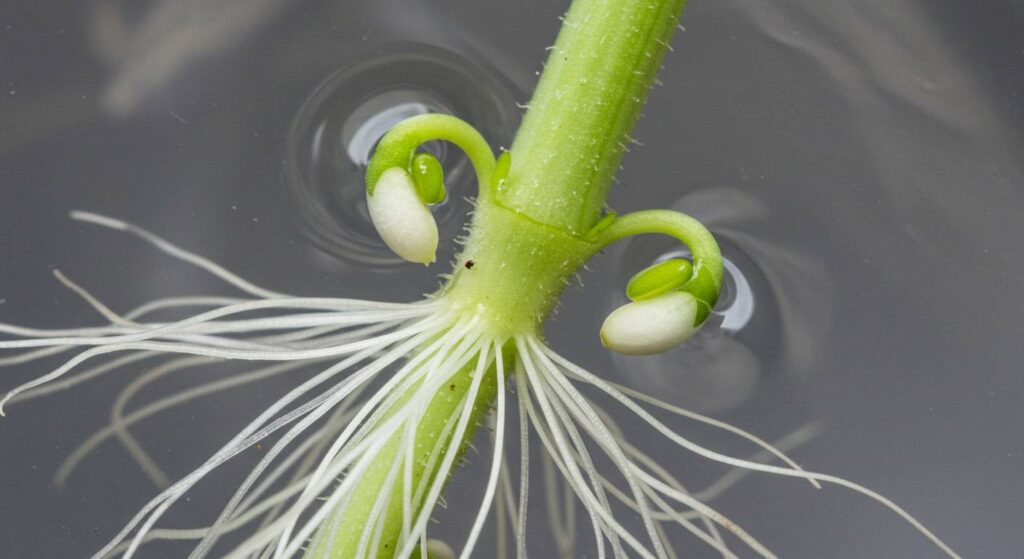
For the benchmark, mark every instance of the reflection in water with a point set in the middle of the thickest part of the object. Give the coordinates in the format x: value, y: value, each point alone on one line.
x: 738, y: 300
x: 370, y: 120
x: 713, y: 374
x: 774, y: 309
x: 147, y: 55
x: 800, y: 291
x: 942, y: 155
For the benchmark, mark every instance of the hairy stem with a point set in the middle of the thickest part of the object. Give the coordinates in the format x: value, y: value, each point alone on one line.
x: 532, y: 232
x: 347, y: 526
x: 588, y: 99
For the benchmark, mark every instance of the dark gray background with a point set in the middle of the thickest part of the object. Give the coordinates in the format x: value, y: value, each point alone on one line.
x: 861, y: 161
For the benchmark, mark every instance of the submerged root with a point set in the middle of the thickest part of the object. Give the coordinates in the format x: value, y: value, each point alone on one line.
x: 379, y: 366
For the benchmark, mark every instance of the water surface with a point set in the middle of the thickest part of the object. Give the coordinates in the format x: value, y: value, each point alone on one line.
x: 862, y: 163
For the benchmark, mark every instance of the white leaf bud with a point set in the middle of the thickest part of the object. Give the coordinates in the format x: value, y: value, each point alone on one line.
x: 402, y: 220
x: 652, y: 325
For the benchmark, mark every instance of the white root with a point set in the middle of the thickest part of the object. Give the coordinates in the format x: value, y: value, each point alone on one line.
x: 378, y: 365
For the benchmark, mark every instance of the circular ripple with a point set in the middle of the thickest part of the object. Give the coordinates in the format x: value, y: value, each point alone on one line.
x: 745, y: 300
x: 333, y: 135
x: 721, y: 367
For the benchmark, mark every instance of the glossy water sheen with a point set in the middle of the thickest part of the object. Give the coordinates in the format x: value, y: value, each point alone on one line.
x: 861, y: 162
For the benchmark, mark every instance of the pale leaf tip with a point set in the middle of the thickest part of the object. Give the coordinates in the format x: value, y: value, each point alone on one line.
x: 652, y: 325
x: 403, y: 221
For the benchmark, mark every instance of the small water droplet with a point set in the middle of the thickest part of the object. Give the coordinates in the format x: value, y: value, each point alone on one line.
x: 333, y: 136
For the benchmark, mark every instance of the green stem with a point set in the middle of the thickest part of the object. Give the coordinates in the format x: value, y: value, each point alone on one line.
x: 537, y: 220
x: 588, y: 99
x: 347, y: 526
